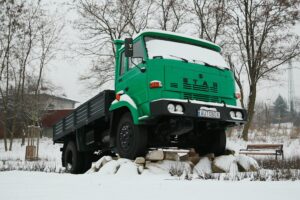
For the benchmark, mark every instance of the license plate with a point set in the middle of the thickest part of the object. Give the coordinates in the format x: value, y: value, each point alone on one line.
x: 209, y: 114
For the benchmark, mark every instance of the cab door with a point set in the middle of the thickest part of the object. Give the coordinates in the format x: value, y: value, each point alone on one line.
x: 131, y: 78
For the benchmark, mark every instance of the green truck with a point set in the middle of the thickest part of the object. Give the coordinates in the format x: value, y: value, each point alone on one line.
x: 171, y: 90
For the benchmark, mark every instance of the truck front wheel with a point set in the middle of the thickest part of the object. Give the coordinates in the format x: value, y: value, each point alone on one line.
x: 131, y: 138
x: 73, y: 160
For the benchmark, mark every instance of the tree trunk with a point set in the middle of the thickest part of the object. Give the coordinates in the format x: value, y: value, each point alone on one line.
x: 5, y: 137
x: 11, y: 139
x: 251, y: 105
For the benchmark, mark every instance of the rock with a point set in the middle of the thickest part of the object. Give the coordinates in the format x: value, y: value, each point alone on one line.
x: 203, y: 167
x: 222, y: 163
x: 140, y: 160
x: 183, y: 157
x: 241, y: 168
x: 140, y: 169
x: 216, y: 169
x: 100, y: 163
x: 194, y: 158
x: 171, y: 156
x: 246, y: 163
x: 155, y: 155
x: 192, y: 152
x: 109, y: 168
x: 229, y: 152
x: 210, y: 156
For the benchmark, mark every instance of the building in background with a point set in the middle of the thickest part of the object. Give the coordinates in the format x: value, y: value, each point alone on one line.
x: 54, y: 108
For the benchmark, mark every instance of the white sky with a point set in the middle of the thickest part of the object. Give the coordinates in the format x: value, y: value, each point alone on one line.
x: 65, y: 70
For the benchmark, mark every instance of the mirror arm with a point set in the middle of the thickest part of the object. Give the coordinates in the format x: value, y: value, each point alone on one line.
x: 141, y: 69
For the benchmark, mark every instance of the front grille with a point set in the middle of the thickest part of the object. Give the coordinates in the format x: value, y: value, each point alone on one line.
x: 202, y: 88
x: 201, y: 97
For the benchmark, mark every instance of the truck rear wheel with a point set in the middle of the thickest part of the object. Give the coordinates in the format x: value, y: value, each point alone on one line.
x: 131, y: 139
x: 73, y: 160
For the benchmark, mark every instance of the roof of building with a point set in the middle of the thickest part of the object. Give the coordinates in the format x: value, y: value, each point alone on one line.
x: 57, y: 97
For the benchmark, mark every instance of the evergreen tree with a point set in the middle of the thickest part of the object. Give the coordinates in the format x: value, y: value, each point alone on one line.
x: 280, y: 109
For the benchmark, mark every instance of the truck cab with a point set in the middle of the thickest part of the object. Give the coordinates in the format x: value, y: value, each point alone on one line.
x: 177, y: 86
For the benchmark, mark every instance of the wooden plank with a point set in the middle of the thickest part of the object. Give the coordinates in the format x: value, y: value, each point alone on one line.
x: 258, y: 152
x: 265, y: 146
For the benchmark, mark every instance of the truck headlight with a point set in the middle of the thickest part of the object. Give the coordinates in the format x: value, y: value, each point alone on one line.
x: 239, y: 115
x: 232, y: 114
x: 179, y: 108
x: 171, y: 108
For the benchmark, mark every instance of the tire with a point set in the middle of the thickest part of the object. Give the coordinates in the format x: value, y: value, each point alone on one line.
x: 88, y: 159
x: 73, y: 160
x: 131, y: 140
x: 63, y: 156
x: 219, y: 142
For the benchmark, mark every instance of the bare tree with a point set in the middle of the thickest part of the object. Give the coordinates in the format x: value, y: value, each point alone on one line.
x: 212, y: 19
x: 101, y: 22
x: 170, y: 14
x: 263, y: 41
x: 9, y: 14
x: 30, y: 44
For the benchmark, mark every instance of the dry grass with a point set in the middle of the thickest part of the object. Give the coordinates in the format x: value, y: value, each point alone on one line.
x: 295, y: 134
x: 272, y: 164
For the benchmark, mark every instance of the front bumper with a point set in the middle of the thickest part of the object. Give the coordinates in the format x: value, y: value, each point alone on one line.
x: 191, y: 108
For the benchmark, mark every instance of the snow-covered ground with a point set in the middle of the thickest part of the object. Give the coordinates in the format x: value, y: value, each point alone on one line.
x: 123, y: 179
x: 15, y: 185
x: 49, y: 157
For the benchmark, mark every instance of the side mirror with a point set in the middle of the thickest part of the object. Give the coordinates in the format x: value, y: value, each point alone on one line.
x: 128, y: 47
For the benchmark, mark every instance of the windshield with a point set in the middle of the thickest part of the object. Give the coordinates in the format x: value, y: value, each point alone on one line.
x: 161, y: 48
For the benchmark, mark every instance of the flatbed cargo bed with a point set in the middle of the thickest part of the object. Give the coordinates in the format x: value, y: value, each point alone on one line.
x: 95, y: 108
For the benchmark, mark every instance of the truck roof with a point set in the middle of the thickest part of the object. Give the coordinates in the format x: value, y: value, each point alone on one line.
x: 178, y: 36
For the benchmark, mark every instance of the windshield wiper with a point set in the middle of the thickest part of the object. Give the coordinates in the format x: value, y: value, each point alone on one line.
x: 209, y: 65
x: 183, y: 59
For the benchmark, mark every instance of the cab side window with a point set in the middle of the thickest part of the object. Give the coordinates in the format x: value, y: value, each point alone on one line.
x: 138, y: 54
x: 122, y: 63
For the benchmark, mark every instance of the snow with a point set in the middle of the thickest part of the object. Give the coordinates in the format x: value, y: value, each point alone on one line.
x: 176, y: 34
x: 176, y: 50
x: 291, y: 147
x: 203, y: 167
x: 49, y: 186
x: 126, y: 98
x: 247, y: 162
x: 49, y: 157
x: 110, y: 168
x: 224, y: 162
x: 128, y: 169
x: 115, y: 178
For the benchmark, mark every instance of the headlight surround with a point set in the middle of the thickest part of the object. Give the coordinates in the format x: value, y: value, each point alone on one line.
x: 171, y: 107
x: 175, y: 108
